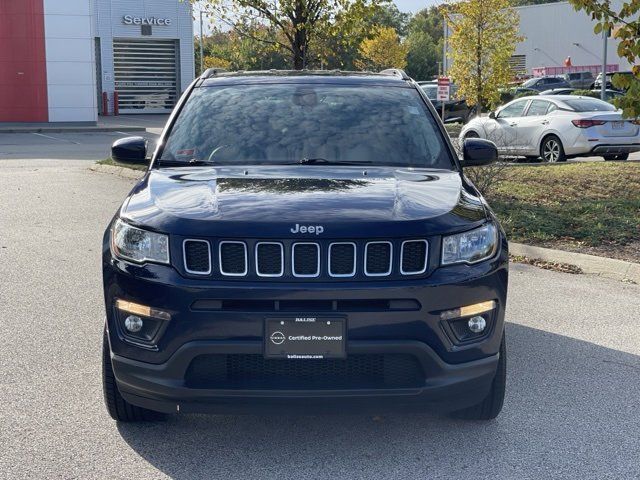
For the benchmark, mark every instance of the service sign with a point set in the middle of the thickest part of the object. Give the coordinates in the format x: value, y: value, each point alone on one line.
x: 443, y: 89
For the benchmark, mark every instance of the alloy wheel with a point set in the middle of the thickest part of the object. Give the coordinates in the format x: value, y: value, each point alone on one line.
x: 551, y: 151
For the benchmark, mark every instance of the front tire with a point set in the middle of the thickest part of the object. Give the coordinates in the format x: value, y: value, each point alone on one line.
x: 552, y: 150
x: 118, y: 407
x: 491, y: 406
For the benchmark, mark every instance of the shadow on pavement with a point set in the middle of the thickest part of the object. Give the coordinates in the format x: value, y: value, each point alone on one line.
x: 571, y: 412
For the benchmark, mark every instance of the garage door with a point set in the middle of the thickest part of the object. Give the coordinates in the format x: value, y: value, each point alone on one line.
x: 146, y: 75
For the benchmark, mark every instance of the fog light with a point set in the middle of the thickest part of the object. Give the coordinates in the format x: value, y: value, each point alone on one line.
x: 133, y: 323
x: 477, y: 324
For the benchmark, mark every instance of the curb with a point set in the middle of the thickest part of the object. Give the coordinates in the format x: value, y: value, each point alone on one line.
x: 119, y: 171
x: 70, y: 129
x: 590, y: 264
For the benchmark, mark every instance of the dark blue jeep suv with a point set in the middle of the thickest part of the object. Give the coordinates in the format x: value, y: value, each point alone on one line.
x: 304, y: 240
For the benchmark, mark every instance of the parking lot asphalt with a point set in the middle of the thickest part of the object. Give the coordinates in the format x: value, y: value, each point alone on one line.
x: 573, y: 395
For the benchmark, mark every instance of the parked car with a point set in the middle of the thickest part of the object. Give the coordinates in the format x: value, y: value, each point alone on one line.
x: 557, y: 127
x: 579, y: 80
x: 597, y: 84
x: 608, y: 94
x: 545, y: 83
x: 558, y: 91
x: 455, y: 109
x: 304, y: 240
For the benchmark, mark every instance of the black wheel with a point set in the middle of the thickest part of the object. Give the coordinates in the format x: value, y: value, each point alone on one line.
x: 118, y: 407
x: 531, y: 159
x: 471, y: 135
x: 622, y: 156
x: 491, y: 406
x: 551, y: 150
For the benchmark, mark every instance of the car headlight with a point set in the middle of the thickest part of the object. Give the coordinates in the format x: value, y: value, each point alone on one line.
x: 138, y: 245
x: 470, y: 247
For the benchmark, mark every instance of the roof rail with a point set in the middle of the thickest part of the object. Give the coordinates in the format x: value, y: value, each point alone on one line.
x: 397, y: 72
x: 212, y: 72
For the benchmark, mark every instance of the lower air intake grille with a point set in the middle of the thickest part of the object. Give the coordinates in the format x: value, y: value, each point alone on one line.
x: 197, y: 257
x: 414, y: 257
x: 252, y: 371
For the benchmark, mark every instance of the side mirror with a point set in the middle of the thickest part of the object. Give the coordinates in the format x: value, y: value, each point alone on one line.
x: 477, y: 152
x: 492, y: 115
x: 130, y: 150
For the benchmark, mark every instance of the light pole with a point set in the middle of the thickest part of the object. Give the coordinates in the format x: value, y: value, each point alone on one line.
x: 603, y: 85
x: 201, y: 46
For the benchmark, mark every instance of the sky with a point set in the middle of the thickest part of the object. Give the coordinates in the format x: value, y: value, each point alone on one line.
x: 413, y: 5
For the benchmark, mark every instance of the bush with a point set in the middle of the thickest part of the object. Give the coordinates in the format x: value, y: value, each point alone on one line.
x: 453, y: 129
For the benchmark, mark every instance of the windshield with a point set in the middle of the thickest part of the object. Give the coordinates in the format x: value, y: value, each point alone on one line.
x: 294, y: 123
x: 589, y: 105
x: 431, y: 91
x: 530, y: 82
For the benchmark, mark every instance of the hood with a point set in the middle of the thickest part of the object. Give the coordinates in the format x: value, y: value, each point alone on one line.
x: 268, y: 201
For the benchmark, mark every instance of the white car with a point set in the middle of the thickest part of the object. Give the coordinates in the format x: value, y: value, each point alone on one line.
x: 557, y: 127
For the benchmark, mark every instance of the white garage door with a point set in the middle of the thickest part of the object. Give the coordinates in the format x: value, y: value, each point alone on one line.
x: 146, y: 75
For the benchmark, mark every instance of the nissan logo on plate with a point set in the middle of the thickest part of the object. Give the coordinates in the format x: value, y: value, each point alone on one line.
x: 277, y: 338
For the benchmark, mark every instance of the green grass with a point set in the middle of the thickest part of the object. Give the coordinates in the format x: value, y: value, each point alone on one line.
x: 590, y: 204
x: 112, y: 162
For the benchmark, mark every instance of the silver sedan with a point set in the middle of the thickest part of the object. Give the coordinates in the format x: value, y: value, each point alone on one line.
x: 557, y: 127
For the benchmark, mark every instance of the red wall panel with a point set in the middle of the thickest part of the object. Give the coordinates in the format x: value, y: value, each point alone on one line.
x: 23, y: 68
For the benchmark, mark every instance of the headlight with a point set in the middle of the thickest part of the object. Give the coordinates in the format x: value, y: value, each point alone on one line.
x: 470, y: 247
x: 139, y: 245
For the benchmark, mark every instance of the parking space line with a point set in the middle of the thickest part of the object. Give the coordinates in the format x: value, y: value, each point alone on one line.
x: 54, y: 138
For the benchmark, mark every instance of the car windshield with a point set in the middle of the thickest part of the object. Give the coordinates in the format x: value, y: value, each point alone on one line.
x: 530, y: 82
x: 431, y: 91
x: 589, y: 105
x: 306, y: 123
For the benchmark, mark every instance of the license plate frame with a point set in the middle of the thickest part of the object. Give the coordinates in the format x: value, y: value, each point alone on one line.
x: 305, y: 337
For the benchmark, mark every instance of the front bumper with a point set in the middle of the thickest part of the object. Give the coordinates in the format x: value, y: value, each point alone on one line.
x: 456, y: 374
x: 162, y: 387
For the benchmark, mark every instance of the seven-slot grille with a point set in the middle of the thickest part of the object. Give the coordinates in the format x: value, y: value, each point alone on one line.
x: 377, y: 258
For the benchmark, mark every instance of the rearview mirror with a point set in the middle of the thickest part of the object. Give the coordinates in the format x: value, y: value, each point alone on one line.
x: 477, y: 152
x: 492, y: 115
x: 130, y: 150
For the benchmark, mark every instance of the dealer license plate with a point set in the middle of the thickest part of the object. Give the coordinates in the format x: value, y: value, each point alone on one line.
x: 305, y: 337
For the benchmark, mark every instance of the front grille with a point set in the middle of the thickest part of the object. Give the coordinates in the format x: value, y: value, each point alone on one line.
x: 197, y: 257
x: 269, y: 259
x: 378, y: 259
x: 413, y: 257
x: 290, y: 260
x: 253, y: 371
x: 306, y: 259
x: 233, y: 258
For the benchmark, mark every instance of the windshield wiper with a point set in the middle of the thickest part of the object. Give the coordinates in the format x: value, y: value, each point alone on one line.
x: 180, y: 163
x: 324, y: 161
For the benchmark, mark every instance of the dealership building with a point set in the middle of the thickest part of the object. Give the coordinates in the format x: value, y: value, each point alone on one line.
x: 555, y: 32
x: 70, y: 60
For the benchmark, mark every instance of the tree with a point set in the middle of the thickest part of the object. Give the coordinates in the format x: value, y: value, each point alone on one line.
x: 624, y: 24
x: 383, y: 50
x: 483, y: 38
x: 292, y: 26
x: 424, y: 43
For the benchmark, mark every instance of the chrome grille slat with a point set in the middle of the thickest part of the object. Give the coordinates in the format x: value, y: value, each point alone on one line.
x: 335, y: 265
x: 232, y: 258
x: 376, y: 256
x: 414, y: 253
x: 305, y: 259
x: 268, y: 270
x: 196, y: 260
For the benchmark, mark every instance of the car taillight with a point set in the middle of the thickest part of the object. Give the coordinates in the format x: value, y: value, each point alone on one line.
x: 587, y: 123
